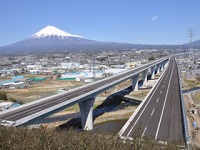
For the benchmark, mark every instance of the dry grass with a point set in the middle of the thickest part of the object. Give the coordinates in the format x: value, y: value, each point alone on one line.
x: 140, y: 94
x: 43, y: 138
x: 41, y: 89
x: 189, y: 84
x: 5, y: 78
x: 196, y: 97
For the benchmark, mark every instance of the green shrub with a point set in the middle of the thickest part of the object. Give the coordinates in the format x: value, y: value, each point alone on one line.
x: 3, y: 96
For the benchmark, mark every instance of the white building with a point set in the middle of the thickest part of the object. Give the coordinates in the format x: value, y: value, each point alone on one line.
x: 115, y: 71
x: 85, y: 74
x: 70, y: 65
x: 34, y: 67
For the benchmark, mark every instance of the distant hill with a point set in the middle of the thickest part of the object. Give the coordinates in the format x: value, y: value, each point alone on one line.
x: 196, y: 44
x: 52, y: 39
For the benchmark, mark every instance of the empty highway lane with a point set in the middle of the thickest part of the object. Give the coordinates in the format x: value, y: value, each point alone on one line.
x: 160, y: 116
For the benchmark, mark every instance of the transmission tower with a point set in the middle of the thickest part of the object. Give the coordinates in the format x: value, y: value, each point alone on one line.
x: 191, y: 35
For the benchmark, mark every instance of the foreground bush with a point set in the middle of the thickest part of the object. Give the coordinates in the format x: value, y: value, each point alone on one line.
x: 42, y: 139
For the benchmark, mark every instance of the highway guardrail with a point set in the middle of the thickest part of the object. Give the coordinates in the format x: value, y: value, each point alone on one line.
x: 187, y: 138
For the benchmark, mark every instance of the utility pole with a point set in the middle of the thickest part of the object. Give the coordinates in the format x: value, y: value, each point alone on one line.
x: 93, y: 68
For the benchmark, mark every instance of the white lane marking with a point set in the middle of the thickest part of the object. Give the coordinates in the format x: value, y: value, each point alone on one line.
x: 144, y: 131
x: 163, y: 86
x: 146, y: 105
x: 19, y: 113
x: 163, y: 106
x: 157, y: 100
x: 33, y: 108
x: 152, y: 112
x: 33, y: 111
x: 160, y: 92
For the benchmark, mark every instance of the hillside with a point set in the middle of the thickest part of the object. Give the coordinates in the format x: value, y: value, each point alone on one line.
x: 43, y: 138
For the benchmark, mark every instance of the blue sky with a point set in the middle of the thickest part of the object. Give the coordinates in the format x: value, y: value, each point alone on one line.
x: 130, y: 21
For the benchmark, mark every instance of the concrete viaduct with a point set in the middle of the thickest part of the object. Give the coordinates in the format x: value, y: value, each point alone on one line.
x: 84, y: 96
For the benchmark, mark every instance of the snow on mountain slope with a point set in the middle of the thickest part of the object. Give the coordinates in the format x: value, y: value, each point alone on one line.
x: 53, y: 31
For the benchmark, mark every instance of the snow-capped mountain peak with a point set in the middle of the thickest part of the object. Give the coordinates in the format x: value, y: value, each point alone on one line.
x: 53, y: 31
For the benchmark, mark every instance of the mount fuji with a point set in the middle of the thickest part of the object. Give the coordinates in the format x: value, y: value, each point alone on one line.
x: 49, y: 39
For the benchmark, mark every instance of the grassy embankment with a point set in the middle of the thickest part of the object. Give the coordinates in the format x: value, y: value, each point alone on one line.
x: 140, y: 94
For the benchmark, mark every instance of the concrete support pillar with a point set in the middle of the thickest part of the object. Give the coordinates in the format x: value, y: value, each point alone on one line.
x: 86, y: 110
x: 144, y: 77
x: 158, y: 68
x: 162, y: 67
x: 165, y: 64
x: 153, y: 69
x: 135, y: 83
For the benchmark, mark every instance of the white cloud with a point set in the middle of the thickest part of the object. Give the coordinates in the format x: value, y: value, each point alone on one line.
x: 141, y: 40
x: 154, y: 18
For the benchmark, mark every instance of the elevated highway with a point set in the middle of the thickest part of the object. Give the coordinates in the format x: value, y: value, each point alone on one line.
x: 84, y: 96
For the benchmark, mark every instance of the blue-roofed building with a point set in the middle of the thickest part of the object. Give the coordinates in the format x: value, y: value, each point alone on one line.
x: 15, y: 82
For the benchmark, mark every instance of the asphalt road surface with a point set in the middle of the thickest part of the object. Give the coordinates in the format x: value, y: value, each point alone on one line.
x: 160, y: 116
